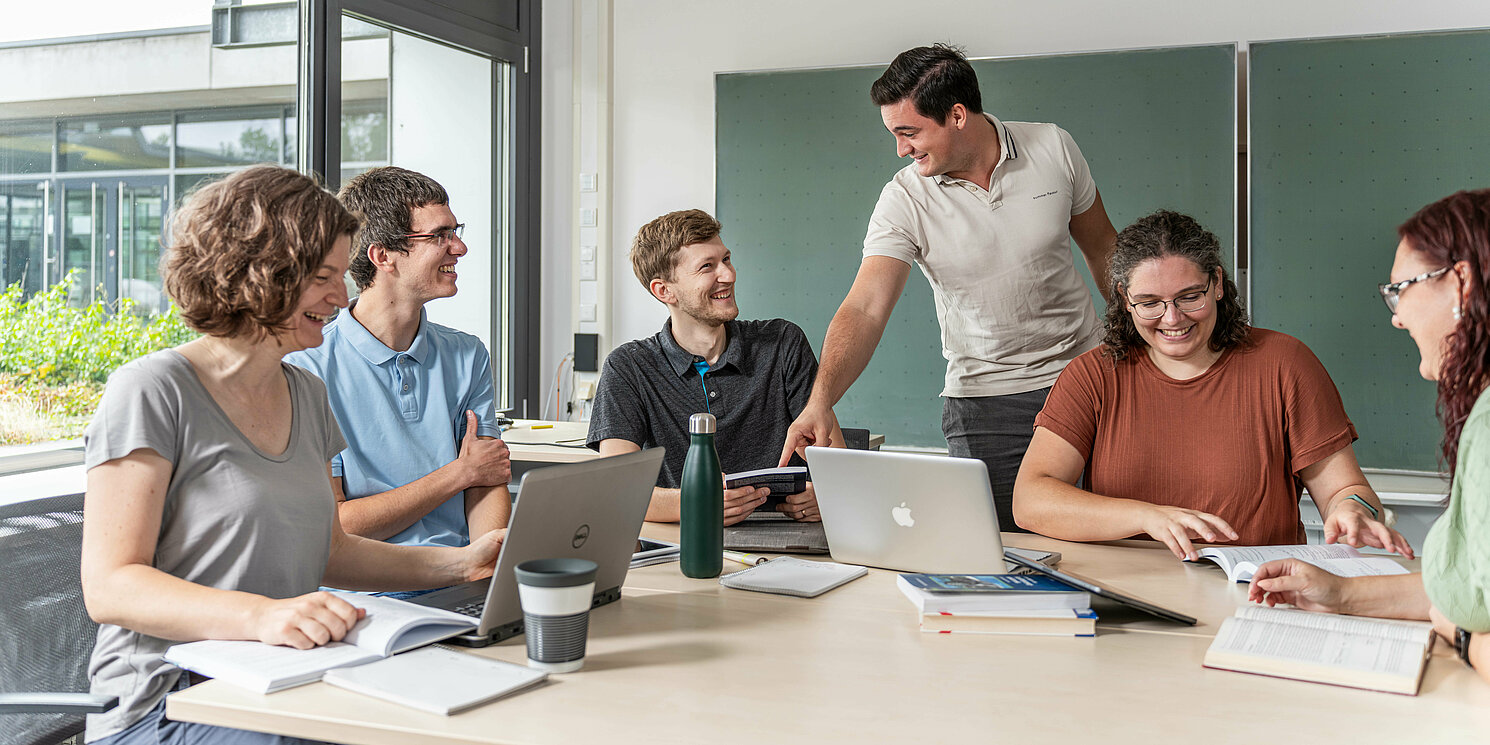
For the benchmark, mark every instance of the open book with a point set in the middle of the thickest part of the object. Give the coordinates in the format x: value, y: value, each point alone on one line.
x: 391, y: 626
x: 1373, y: 653
x: 1241, y: 562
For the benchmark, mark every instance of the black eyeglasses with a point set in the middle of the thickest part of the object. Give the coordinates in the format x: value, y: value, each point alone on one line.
x: 1392, y: 291
x: 1189, y: 302
x: 443, y: 236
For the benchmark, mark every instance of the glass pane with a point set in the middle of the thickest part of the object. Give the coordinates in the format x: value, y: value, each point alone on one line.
x: 141, y: 216
x: 364, y: 134
x: 235, y: 137
x: 185, y: 183
x: 25, y: 147
x: 115, y: 144
x: 428, y: 107
x: 23, y: 227
x: 82, y: 242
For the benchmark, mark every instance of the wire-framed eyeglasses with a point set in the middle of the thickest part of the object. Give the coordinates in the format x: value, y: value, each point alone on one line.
x: 1392, y: 291
x: 1190, y: 302
x: 443, y: 236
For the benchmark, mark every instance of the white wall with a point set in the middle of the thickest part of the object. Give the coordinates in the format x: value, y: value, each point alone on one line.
x: 666, y: 53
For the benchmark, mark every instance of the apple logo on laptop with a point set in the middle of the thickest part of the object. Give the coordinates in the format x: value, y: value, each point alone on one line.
x: 902, y: 515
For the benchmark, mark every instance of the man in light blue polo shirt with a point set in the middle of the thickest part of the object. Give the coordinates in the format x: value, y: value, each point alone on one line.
x: 424, y: 464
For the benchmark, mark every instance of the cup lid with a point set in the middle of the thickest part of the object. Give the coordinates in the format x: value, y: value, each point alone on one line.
x: 566, y: 572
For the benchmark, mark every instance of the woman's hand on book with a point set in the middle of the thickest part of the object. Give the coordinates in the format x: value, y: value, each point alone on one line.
x: 306, y: 621
x: 1176, y: 527
x: 1299, y: 584
x: 1351, y: 523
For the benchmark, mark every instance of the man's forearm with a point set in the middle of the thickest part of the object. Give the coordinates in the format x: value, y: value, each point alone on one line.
x: 666, y: 505
x: 488, y: 508
x: 389, y: 513
x: 847, y: 349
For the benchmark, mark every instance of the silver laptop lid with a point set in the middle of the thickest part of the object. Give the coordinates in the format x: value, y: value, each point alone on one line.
x: 907, y: 511
x: 590, y: 510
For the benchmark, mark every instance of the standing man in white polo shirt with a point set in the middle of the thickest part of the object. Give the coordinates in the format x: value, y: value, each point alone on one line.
x: 986, y: 210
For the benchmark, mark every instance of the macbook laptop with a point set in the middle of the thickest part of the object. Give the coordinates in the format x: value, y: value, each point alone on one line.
x: 910, y: 512
x: 590, y: 510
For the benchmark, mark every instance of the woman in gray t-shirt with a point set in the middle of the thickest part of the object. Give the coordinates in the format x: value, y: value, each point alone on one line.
x: 209, y: 512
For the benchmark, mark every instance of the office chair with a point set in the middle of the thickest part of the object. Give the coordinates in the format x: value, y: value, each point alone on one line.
x: 855, y: 438
x: 48, y: 634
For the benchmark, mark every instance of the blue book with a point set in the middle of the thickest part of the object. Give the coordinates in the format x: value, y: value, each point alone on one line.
x: 938, y: 593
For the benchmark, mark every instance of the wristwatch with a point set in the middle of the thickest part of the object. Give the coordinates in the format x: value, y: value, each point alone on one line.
x: 1461, y: 644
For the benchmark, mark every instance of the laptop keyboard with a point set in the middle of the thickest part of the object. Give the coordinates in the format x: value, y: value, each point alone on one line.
x: 472, y: 609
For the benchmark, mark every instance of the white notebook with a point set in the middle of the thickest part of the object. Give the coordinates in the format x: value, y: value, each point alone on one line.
x: 788, y: 575
x: 435, y: 679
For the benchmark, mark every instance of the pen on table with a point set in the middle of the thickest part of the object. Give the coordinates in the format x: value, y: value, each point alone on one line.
x: 542, y: 426
x: 744, y: 558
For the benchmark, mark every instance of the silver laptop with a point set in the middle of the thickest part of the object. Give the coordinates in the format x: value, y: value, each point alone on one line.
x: 910, y: 512
x: 590, y: 510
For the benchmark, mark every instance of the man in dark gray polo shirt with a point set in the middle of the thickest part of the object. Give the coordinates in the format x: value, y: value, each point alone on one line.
x: 753, y: 376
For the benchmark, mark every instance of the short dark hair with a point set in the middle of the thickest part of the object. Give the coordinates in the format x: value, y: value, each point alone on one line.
x: 241, y: 249
x: 1161, y: 234
x: 935, y: 78
x: 654, y: 251
x: 386, y: 198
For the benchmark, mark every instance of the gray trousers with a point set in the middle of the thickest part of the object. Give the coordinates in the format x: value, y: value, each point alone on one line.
x: 997, y: 431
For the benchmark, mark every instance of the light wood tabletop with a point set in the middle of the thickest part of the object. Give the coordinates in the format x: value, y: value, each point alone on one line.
x: 681, y: 660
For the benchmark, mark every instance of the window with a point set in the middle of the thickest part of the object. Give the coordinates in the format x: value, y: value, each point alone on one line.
x: 101, y: 133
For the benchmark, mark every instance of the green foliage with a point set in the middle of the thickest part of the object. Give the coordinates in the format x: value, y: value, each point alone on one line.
x: 43, y: 341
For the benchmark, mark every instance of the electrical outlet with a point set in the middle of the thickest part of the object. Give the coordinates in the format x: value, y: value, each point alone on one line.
x: 586, y: 312
x: 587, y: 217
x: 587, y: 182
x: 587, y: 270
x: 584, y: 390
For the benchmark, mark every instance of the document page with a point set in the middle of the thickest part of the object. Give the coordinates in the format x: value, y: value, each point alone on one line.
x: 1317, y: 646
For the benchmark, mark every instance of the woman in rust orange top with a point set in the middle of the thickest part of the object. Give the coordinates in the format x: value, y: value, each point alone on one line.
x: 1187, y: 423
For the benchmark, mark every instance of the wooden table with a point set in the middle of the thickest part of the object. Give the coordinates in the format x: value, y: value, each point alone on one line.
x: 679, y: 660
x: 551, y: 442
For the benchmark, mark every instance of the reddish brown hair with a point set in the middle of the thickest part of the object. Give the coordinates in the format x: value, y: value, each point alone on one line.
x: 1453, y: 229
x: 241, y: 249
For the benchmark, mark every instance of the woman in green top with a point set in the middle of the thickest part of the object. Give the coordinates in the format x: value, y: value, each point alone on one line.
x: 1438, y: 296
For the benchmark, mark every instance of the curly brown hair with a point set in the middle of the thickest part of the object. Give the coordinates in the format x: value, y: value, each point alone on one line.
x: 1161, y: 234
x: 654, y: 251
x: 1454, y: 229
x: 241, y: 249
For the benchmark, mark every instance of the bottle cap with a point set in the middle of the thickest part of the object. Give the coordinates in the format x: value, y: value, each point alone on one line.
x: 701, y: 424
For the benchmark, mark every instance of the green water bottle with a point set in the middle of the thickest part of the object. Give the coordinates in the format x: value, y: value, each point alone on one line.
x: 702, y: 531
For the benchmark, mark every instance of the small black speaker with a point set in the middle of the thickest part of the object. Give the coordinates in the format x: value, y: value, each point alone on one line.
x: 586, y: 352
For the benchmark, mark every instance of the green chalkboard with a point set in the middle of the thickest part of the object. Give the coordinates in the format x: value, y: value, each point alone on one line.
x: 1349, y: 137
x: 802, y: 156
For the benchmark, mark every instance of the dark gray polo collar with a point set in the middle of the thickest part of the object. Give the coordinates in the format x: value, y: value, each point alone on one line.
x: 736, y: 350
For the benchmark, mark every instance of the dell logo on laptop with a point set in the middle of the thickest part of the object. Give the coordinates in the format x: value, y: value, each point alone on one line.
x: 580, y: 536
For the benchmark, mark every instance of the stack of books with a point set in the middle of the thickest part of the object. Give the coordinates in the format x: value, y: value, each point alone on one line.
x: 998, y: 604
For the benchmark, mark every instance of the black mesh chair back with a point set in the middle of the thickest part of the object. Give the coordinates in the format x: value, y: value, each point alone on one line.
x: 47, y: 634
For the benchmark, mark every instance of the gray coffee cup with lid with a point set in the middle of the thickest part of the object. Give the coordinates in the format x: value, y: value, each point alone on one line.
x: 556, y: 595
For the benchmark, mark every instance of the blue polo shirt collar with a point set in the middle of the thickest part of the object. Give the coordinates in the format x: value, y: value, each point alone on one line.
x: 736, y: 350
x: 375, y: 351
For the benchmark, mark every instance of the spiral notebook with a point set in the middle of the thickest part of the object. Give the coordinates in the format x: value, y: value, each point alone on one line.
x: 788, y: 575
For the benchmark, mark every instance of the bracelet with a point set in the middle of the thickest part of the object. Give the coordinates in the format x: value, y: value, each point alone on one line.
x: 1461, y: 645
x: 1375, y: 513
